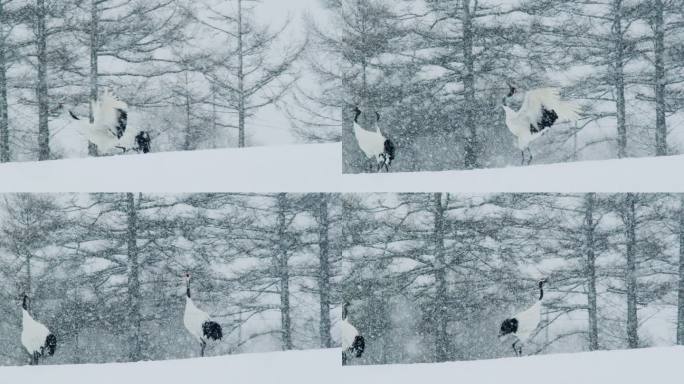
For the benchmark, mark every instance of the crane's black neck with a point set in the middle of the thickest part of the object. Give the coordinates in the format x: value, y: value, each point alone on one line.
x: 357, y: 113
x: 541, y: 289
x: 344, y: 311
x: 25, y: 303
x: 187, y: 286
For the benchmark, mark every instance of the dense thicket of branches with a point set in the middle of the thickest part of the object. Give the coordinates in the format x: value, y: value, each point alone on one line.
x: 431, y: 276
x: 105, y: 272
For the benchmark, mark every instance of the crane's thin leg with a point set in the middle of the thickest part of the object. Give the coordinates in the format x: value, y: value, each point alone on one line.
x: 515, y: 349
x: 204, y: 344
x: 530, y: 151
x: 344, y: 358
x: 523, y: 157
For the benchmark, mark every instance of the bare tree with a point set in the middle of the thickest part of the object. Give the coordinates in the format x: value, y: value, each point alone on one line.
x: 245, y: 76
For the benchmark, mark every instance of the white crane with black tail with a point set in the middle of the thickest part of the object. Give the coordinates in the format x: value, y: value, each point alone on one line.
x: 373, y: 144
x: 109, y: 130
x: 353, y: 344
x: 541, y: 109
x: 522, y: 325
x: 198, y: 322
x: 35, y: 337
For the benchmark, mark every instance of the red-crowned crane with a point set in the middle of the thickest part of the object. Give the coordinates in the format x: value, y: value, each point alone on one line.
x: 198, y: 322
x: 353, y: 344
x: 523, y: 324
x: 540, y: 110
x: 35, y: 337
x: 109, y: 130
x: 374, y: 145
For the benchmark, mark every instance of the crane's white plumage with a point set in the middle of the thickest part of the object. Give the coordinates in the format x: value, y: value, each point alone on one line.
x: 109, y: 131
x: 353, y: 343
x: 541, y: 109
x: 528, y: 321
x: 194, y: 318
x: 33, y: 333
x: 349, y: 333
x: 198, y: 322
x: 522, y: 325
x: 35, y: 337
x: 374, y: 144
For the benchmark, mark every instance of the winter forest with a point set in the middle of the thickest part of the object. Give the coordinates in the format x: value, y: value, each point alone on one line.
x: 194, y: 74
x: 214, y: 74
x: 437, y: 70
x: 431, y: 277
x: 104, y: 272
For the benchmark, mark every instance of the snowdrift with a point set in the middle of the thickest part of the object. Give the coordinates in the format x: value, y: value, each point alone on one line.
x: 656, y: 365
x: 296, y: 168
x: 649, y: 174
x: 318, y: 168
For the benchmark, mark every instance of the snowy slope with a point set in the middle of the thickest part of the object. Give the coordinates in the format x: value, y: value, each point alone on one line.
x: 317, y: 168
x: 296, y: 168
x: 659, y: 365
x: 651, y: 174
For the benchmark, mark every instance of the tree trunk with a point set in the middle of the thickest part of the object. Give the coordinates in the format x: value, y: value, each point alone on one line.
x: 324, y: 270
x: 134, y: 294
x: 619, y: 78
x: 241, y: 82
x: 471, y: 144
x: 589, y: 227
x: 630, y: 272
x: 188, y: 120
x: 659, y: 50
x: 441, y: 319
x: 29, y: 276
x: 284, y: 273
x: 94, y: 70
x: 680, y: 302
x: 42, y: 86
x: 4, y: 122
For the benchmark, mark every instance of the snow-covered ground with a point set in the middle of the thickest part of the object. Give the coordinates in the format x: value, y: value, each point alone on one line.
x: 317, y: 168
x: 656, y: 365
x: 295, y: 168
x: 650, y: 174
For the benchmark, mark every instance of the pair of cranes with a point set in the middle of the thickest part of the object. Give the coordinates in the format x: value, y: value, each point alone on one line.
x: 520, y: 327
x: 541, y: 109
x: 39, y: 342
x: 109, y: 129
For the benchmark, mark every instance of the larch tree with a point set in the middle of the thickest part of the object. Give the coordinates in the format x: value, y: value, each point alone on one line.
x: 9, y: 19
x: 245, y: 74
x: 130, y: 34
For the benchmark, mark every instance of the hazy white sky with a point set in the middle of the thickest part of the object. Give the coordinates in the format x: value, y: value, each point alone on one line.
x: 271, y: 126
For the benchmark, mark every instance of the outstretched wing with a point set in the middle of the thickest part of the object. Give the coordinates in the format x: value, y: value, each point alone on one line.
x: 111, y: 114
x: 549, y: 99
